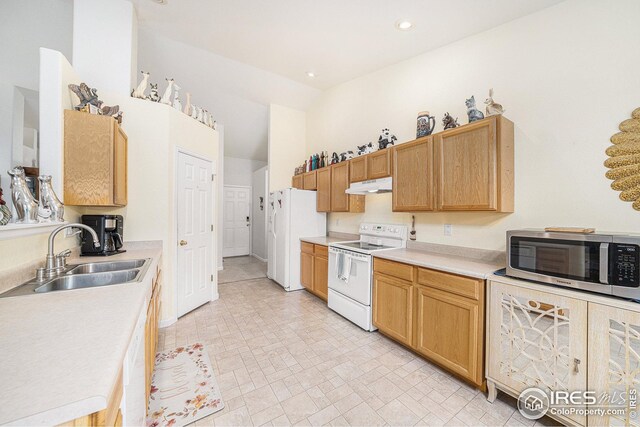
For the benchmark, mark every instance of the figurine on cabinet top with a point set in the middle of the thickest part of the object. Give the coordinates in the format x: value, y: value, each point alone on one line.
x: 365, y: 149
x: 473, y: 113
x: 334, y: 158
x: 386, y: 139
x: 426, y: 124
x: 168, y: 92
x: 348, y: 155
x: 176, y: 98
x: 449, y: 122
x: 493, y: 108
x: 187, y: 105
x: 142, y: 87
x: 154, y: 96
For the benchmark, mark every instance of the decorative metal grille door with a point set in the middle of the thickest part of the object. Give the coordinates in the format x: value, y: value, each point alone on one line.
x: 614, y: 363
x: 537, y: 339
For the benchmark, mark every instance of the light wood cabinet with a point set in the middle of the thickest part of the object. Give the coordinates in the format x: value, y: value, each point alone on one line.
x: 95, y: 160
x: 314, y: 269
x: 309, y: 180
x: 341, y: 201
x: 474, y: 166
x: 321, y: 276
x: 297, y: 182
x: 449, y: 331
x: 379, y: 164
x: 439, y: 315
x: 393, y: 307
x: 413, y: 188
x: 323, y: 185
x: 151, y: 330
x: 306, y: 270
x: 358, y: 169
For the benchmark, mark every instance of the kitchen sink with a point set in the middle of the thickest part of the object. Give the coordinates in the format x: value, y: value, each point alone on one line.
x: 87, y: 275
x: 100, y: 267
x: 79, y: 281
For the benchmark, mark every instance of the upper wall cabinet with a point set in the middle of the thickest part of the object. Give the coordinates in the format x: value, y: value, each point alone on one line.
x: 379, y: 164
x: 323, y: 185
x: 413, y: 176
x: 297, y: 181
x: 95, y: 160
x: 474, y: 166
x: 358, y: 169
x: 309, y: 181
x: 341, y: 201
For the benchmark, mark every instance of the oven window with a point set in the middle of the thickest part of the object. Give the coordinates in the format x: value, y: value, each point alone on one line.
x: 559, y: 258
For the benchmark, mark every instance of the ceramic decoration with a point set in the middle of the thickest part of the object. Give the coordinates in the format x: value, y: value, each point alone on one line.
x: 334, y: 158
x: 23, y: 202
x: 85, y: 94
x: 142, y: 87
x: 386, y: 139
x: 5, y: 213
x: 426, y: 124
x: 449, y: 122
x: 49, y: 201
x: 346, y: 156
x: 154, y: 96
x: 365, y: 149
x: 168, y: 92
x: 176, y: 98
x: 473, y: 113
x: 187, y: 105
x: 493, y: 108
x: 624, y: 160
x: 194, y: 111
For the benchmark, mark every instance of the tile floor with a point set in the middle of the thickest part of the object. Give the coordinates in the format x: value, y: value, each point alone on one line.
x: 241, y: 268
x: 286, y: 359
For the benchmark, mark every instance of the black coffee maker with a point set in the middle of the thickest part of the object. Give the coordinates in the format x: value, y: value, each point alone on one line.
x: 109, y: 230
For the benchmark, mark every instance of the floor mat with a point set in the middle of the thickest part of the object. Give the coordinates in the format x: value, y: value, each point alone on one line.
x: 183, y: 388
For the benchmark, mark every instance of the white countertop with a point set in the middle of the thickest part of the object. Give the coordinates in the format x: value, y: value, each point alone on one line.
x: 326, y: 240
x: 61, y: 352
x: 449, y: 263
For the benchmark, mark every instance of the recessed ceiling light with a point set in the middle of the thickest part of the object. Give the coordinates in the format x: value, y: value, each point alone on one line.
x: 160, y: 1
x: 311, y: 74
x: 403, y: 25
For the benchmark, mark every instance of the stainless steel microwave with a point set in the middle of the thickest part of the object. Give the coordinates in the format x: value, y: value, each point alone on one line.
x: 604, y: 263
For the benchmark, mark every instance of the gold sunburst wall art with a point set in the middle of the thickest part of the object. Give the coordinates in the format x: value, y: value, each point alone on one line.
x: 624, y: 160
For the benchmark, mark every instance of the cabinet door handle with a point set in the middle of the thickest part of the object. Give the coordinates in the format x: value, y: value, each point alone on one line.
x: 183, y: 242
x: 576, y: 364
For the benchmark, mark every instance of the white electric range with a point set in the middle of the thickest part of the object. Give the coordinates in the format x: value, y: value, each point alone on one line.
x: 351, y: 270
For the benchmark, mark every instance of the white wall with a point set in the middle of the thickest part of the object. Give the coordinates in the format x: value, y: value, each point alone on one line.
x: 567, y: 77
x: 104, y: 44
x: 237, y: 94
x: 287, y: 146
x: 25, y: 27
x: 240, y: 171
x: 260, y: 188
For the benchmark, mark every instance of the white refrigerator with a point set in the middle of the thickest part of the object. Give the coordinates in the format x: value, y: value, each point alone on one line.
x: 292, y: 215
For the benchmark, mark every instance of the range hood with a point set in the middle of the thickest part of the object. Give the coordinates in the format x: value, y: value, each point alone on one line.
x: 381, y: 185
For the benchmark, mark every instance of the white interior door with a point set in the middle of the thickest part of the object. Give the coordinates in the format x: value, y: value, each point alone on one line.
x: 237, y: 221
x: 195, y: 219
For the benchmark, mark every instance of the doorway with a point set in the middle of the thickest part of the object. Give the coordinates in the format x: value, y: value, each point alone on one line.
x: 237, y: 221
x: 194, y: 232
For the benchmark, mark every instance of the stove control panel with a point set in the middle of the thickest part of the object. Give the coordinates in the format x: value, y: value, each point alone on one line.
x: 384, y: 230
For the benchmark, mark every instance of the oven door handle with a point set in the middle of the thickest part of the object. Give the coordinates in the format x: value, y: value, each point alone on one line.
x: 604, y: 263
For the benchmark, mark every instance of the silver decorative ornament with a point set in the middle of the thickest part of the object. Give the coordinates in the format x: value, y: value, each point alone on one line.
x: 25, y: 205
x: 49, y: 201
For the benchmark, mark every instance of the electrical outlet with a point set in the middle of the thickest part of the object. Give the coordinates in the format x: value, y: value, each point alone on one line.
x: 448, y: 229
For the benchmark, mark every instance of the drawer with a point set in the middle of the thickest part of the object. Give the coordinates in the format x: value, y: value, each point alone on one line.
x: 452, y: 283
x: 322, y: 251
x: 392, y: 268
x: 306, y: 247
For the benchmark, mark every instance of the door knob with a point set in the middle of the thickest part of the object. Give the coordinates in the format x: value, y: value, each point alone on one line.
x: 183, y: 242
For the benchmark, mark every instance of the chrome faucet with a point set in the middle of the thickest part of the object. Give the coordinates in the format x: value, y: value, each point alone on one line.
x: 55, y: 264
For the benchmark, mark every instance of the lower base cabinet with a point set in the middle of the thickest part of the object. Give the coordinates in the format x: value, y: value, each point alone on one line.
x: 438, y: 315
x: 112, y: 414
x: 314, y: 269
